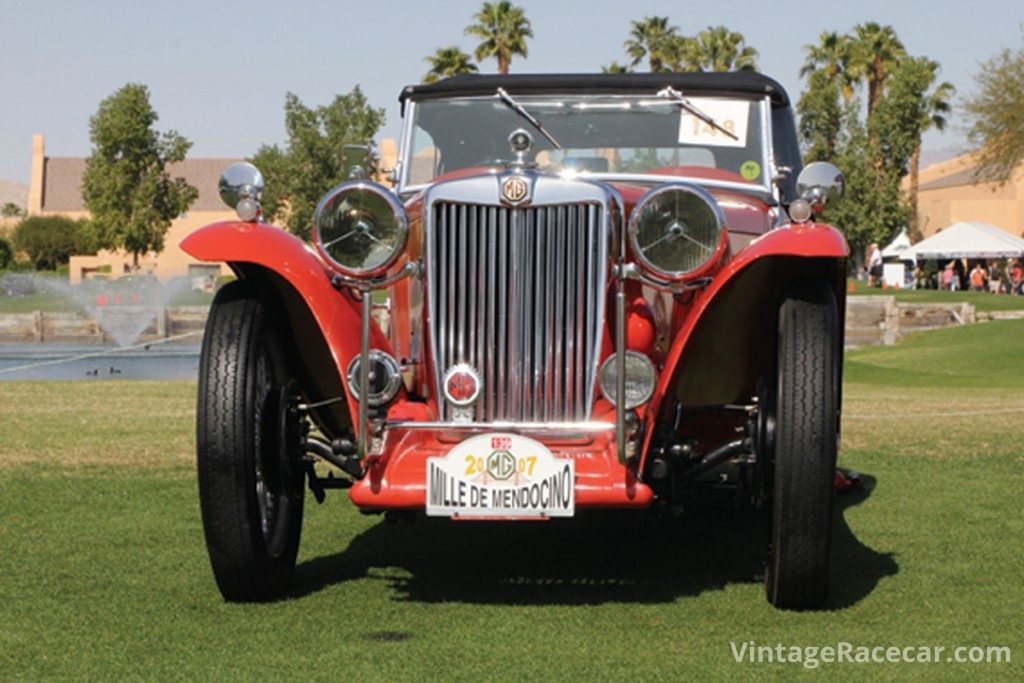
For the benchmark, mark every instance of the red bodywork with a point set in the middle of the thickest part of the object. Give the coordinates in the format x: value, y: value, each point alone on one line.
x: 667, y: 328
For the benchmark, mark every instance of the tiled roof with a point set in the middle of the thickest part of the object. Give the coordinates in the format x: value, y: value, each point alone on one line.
x: 964, y: 177
x: 62, y: 184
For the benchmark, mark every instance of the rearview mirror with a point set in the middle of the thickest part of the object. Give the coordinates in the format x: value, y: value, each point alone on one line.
x: 819, y: 183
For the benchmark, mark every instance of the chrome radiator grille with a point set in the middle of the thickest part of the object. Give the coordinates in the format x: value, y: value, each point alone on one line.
x: 518, y: 295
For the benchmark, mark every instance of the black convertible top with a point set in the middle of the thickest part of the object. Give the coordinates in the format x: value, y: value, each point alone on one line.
x: 466, y: 85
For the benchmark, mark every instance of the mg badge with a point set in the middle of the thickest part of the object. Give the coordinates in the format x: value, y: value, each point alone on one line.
x: 514, y: 189
x: 462, y: 385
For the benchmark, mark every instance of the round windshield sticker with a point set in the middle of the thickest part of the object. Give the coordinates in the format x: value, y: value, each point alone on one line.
x: 750, y: 170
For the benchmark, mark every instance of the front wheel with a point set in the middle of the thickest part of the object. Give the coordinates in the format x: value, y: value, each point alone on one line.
x: 250, y: 487
x: 805, y: 434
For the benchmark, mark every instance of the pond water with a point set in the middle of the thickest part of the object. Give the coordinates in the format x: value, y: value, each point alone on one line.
x: 95, y: 362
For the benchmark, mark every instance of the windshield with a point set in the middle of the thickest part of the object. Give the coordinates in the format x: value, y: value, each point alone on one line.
x: 599, y: 134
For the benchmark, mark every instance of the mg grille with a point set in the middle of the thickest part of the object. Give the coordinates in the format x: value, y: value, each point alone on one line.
x: 518, y: 295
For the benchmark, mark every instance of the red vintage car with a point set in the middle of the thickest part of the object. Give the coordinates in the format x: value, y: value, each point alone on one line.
x: 574, y: 291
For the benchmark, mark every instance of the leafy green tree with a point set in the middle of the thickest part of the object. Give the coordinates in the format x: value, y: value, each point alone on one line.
x: 901, y: 115
x: 821, y: 116
x: 716, y: 48
x: 446, y: 62
x: 879, y: 150
x: 126, y: 186
x: 49, y: 241
x: 6, y: 253
x: 654, y: 39
x: 502, y: 29
x: 868, y: 211
x: 310, y: 164
x: 11, y: 210
x: 937, y: 104
x: 996, y: 115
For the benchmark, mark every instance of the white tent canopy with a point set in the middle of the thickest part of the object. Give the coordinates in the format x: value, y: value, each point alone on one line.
x: 966, y: 240
x: 897, y: 246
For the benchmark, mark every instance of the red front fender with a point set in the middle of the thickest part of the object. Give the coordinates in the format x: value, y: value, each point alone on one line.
x: 720, y: 344
x: 336, y: 313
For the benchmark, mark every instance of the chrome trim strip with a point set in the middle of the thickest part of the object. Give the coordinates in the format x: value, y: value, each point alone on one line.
x: 758, y: 191
x: 364, y: 372
x: 767, y: 145
x: 506, y: 426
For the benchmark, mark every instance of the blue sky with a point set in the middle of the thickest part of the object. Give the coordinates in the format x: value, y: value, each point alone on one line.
x: 218, y: 71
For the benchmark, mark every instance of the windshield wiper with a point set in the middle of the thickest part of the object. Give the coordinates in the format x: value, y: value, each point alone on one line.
x: 521, y: 110
x: 680, y: 99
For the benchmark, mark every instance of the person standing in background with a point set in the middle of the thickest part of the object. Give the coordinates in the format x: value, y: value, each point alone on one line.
x: 993, y: 276
x: 874, y: 265
x: 978, y: 277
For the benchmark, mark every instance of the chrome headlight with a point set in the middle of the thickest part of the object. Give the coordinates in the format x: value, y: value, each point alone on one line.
x: 241, y: 187
x: 675, y: 230
x: 361, y: 228
x: 385, y: 377
x: 640, y: 379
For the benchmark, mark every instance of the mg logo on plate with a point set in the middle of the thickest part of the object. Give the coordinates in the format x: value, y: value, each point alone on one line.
x: 514, y: 189
x: 501, y: 465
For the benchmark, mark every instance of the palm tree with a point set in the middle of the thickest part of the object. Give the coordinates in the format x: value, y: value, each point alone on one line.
x: 651, y: 38
x: 616, y: 68
x: 716, y: 48
x: 874, y: 54
x: 936, y: 106
x: 503, y: 30
x: 832, y: 55
x: 446, y: 62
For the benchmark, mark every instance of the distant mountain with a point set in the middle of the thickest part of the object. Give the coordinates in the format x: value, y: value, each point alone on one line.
x: 11, y: 191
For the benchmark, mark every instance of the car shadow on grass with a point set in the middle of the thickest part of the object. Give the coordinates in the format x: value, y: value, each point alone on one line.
x: 596, y: 557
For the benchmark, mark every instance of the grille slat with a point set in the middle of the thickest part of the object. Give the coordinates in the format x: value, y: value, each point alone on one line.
x: 516, y: 293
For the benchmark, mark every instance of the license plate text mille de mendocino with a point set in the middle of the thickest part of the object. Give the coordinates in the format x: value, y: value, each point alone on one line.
x: 508, y: 477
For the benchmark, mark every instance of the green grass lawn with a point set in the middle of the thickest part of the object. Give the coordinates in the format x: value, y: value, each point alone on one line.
x: 103, y: 569
x: 982, y: 301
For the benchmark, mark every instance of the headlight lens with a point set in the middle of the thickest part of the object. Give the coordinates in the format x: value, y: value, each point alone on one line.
x: 361, y: 228
x: 640, y: 378
x: 675, y: 230
x: 385, y: 377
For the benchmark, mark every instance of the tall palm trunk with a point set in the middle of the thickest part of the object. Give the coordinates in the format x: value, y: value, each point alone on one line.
x: 504, y: 57
x: 913, y: 229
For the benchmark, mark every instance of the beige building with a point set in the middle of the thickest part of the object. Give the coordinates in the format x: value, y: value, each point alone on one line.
x: 947, y: 194
x: 55, y: 189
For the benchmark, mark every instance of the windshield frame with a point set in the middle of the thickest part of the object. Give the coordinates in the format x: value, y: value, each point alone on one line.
x: 766, y: 190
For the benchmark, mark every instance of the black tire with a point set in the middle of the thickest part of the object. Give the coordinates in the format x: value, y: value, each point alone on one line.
x: 251, y: 502
x: 805, y: 436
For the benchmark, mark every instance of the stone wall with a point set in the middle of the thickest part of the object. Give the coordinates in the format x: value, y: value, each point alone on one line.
x: 873, y: 320
x: 79, y: 328
x: 870, y: 320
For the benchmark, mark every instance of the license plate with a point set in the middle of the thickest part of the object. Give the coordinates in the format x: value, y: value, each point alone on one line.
x: 500, y: 476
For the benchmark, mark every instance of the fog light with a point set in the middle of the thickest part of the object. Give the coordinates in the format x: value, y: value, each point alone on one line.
x: 385, y: 377
x: 640, y: 378
x: 800, y: 211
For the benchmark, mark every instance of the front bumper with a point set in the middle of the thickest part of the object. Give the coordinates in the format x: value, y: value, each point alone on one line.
x: 397, y: 479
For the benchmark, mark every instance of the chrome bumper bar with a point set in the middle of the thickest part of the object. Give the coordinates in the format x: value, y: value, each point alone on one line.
x: 501, y: 426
